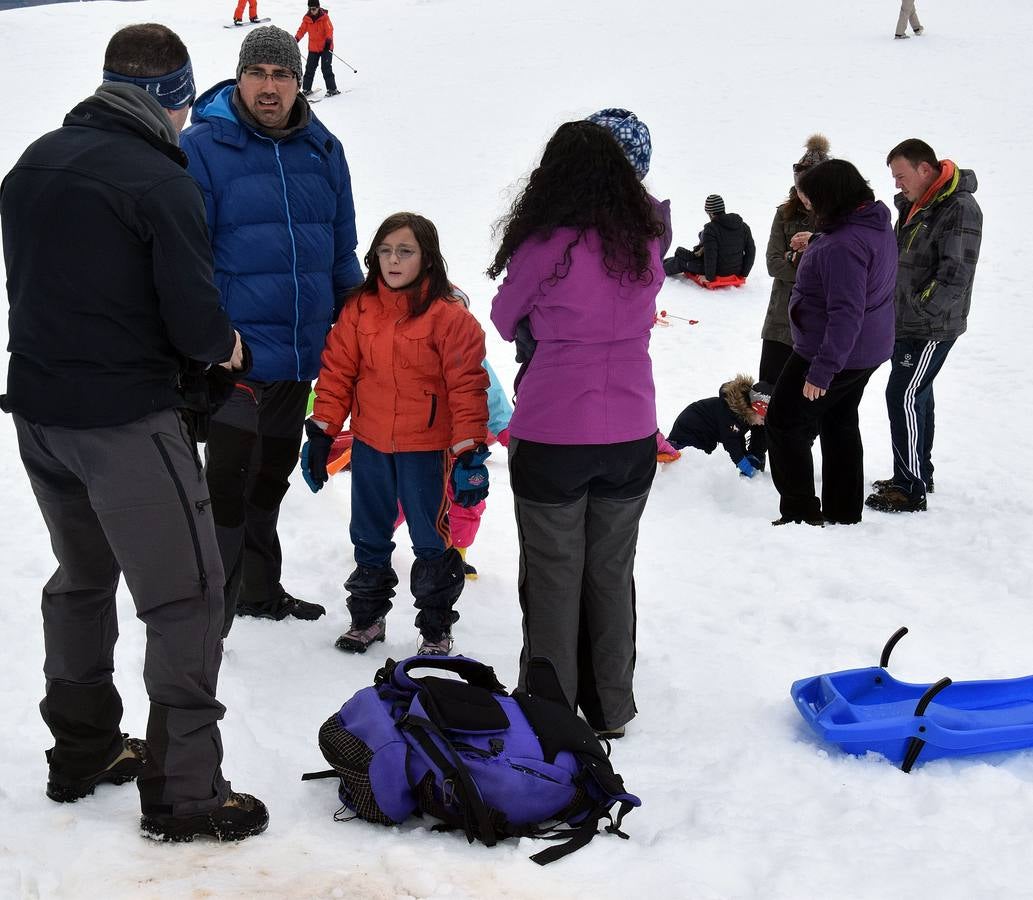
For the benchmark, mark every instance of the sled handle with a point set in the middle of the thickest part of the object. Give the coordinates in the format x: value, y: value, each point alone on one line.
x: 884, y: 660
x: 915, y: 744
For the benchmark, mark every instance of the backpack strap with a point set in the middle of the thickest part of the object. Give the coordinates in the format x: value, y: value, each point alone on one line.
x: 476, y: 821
x: 471, y: 671
x: 326, y: 773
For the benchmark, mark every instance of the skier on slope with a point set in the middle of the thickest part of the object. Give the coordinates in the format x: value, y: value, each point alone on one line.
x: 320, y: 30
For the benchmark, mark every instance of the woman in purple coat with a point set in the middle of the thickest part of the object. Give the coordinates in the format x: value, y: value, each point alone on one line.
x: 842, y: 320
x: 581, y: 250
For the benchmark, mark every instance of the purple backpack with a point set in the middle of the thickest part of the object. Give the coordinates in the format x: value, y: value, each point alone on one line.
x: 465, y: 752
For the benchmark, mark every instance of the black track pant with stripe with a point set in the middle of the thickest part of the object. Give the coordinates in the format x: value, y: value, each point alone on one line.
x: 909, y: 402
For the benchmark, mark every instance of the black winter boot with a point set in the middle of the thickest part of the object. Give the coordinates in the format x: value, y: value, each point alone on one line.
x: 124, y: 767
x: 241, y: 816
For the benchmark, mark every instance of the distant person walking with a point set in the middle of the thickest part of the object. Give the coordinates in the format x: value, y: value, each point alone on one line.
x: 907, y: 15
x: 320, y: 30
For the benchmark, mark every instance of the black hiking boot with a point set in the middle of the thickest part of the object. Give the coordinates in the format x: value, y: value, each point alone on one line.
x: 884, y: 484
x: 894, y: 500
x: 124, y: 768
x: 241, y: 816
x: 287, y: 606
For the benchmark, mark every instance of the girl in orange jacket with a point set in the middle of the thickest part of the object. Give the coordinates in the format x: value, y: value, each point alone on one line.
x: 404, y: 362
x: 320, y: 30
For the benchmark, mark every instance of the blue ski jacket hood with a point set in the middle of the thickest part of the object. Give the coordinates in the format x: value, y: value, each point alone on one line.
x: 282, y: 223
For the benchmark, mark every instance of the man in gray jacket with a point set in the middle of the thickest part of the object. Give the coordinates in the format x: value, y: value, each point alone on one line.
x: 113, y: 316
x: 939, y: 228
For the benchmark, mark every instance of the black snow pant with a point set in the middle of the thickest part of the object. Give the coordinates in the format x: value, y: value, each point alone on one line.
x: 577, y: 512
x: 131, y: 500
x: 793, y: 422
x: 773, y: 356
x: 325, y: 61
x: 253, y: 444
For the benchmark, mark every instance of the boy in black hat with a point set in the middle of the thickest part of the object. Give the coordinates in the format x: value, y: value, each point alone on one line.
x: 737, y: 411
x: 725, y: 246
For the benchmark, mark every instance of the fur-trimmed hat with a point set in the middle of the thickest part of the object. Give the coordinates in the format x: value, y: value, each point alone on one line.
x: 816, y: 151
x: 270, y: 46
x: 760, y: 397
x: 631, y: 133
x: 714, y: 205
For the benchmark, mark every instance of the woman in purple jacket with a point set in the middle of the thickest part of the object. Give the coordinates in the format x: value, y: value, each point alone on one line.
x: 581, y: 250
x: 842, y: 321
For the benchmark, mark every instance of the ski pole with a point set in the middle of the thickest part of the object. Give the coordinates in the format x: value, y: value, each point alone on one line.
x: 348, y: 64
x: 664, y: 314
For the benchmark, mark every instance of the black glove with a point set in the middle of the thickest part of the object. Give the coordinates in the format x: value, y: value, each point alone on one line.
x: 314, y: 456
x: 328, y: 46
x: 470, y: 476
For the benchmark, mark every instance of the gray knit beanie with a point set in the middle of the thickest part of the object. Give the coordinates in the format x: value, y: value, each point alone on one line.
x: 270, y: 46
x: 714, y: 205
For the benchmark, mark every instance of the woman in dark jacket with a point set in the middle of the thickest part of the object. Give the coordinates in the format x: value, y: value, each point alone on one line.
x: 841, y: 315
x: 790, y: 231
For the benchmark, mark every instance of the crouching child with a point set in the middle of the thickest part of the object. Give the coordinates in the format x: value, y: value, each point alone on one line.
x: 728, y: 419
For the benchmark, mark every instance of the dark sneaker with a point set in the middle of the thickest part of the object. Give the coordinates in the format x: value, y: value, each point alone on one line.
x: 125, y: 767
x: 359, y: 640
x: 894, y: 500
x: 241, y: 816
x: 288, y: 606
x: 333, y: 93
x: 884, y: 484
x: 435, y: 646
x: 785, y: 520
x: 308, y: 92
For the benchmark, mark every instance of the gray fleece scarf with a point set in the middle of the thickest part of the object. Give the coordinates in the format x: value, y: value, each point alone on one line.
x: 298, y: 119
x: 135, y: 101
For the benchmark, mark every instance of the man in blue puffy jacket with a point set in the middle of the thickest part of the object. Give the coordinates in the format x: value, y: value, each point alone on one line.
x: 282, y: 223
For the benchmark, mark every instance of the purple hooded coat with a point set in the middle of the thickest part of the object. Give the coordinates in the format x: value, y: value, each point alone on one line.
x: 590, y: 380
x: 841, y: 312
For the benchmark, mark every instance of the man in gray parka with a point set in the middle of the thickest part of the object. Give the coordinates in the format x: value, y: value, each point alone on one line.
x: 939, y: 230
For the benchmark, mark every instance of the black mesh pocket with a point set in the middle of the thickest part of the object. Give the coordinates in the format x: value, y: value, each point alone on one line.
x: 350, y: 758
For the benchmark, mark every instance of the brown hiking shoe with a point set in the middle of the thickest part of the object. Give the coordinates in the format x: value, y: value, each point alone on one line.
x: 894, y: 500
x: 123, y: 768
x: 241, y: 816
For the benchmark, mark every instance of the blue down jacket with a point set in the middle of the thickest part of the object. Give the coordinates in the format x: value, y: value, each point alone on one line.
x: 282, y: 224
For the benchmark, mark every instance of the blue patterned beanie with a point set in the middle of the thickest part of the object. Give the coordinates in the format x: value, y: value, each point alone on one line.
x: 631, y: 134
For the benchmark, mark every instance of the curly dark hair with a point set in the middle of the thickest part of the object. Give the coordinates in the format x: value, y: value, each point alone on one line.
x: 584, y: 181
x: 434, y: 283
x: 835, y: 189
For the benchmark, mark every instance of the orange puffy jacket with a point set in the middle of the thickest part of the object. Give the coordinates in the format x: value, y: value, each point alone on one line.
x: 319, y: 31
x: 408, y: 384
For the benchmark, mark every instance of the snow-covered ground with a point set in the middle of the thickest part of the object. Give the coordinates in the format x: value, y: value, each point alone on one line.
x: 451, y: 105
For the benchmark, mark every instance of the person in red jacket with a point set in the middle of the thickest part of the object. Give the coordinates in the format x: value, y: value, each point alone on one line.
x: 404, y: 361
x: 320, y: 30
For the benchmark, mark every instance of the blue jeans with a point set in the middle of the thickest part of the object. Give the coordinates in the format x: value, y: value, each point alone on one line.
x: 909, y: 402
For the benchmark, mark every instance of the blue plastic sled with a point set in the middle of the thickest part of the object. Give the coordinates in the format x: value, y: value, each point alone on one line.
x: 865, y: 710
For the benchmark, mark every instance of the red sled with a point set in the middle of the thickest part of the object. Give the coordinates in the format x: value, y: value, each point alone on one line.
x: 340, y: 453
x: 722, y: 281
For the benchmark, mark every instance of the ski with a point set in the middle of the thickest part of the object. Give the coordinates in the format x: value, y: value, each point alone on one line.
x: 246, y: 24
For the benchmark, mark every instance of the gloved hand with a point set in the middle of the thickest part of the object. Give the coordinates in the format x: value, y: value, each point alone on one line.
x: 746, y: 467
x: 756, y: 462
x: 328, y: 46
x: 470, y: 476
x: 314, y: 456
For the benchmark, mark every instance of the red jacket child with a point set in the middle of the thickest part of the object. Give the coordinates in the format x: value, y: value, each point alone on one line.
x: 320, y: 30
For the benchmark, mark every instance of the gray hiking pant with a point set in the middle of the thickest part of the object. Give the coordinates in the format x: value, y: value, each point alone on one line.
x: 907, y: 14
x: 577, y: 593
x: 132, y: 500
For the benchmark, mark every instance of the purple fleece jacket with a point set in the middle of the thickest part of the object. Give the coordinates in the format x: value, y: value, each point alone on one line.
x: 841, y: 311
x: 590, y: 380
